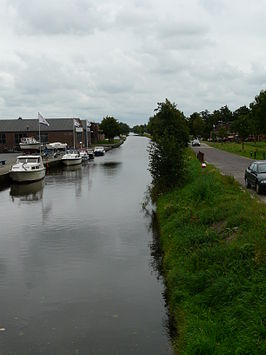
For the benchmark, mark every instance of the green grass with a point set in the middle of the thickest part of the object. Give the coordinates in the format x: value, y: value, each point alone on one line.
x: 247, y: 149
x: 213, y: 240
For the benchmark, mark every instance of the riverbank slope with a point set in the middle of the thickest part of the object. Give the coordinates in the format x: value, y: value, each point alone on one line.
x: 213, y: 242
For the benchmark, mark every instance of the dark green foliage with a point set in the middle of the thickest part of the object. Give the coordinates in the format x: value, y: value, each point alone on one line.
x: 244, y: 121
x: 196, y: 125
x: 166, y: 164
x: 110, y: 127
x: 243, y: 126
x: 258, y: 112
x: 168, y: 122
x: 213, y: 240
x: 140, y: 129
x: 169, y: 138
x: 124, y: 128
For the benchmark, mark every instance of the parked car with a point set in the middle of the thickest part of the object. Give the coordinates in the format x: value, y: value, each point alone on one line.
x: 255, y: 176
x: 195, y: 142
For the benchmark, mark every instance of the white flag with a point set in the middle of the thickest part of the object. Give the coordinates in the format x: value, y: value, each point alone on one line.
x: 76, y: 123
x: 42, y: 120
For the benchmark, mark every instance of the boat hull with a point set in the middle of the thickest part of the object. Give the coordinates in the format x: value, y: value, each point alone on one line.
x: 27, y: 176
x: 69, y: 162
x: 99, y: 151
x: 98, y: 154
x: 30, y: 146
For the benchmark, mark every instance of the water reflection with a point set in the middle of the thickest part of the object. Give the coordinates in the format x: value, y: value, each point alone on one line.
x: 75, y: 275
x: 111, y: 168
x: 155, y: 247
x: 68, y: 171
x: 27, y: 192
x: 157, y: 266
x: 73, y: 172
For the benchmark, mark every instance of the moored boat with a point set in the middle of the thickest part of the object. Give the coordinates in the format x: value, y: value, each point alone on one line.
x: 27, y: 168
x: 72, y: 158
x: 84, y: 155
x: 56, y: 145
x: 29, y: 144
x: 90, y: 154
x: 99, y: 151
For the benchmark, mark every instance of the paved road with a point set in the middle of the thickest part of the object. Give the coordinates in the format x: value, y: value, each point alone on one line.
x: 227, y: 163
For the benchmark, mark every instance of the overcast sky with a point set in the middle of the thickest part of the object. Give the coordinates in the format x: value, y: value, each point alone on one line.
x: 91, y: 58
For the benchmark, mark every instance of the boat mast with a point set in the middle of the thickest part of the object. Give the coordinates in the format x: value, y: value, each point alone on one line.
x: 40, y: 136
x: 74, y: 142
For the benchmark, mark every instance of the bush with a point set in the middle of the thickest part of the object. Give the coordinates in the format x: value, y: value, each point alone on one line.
x: 169, y: 138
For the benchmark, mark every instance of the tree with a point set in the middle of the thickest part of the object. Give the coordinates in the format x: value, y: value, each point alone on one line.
x: 168, y: 122
x: 110, y: 127
x: 225, y: 114
x: 242, y: 123
x: 222, y: 133
x: 196, y: 124
x: 139, y: 129
x: 208, y: 125
x: 169, y: 131
x: 258, y: 113
x: 124, y: 128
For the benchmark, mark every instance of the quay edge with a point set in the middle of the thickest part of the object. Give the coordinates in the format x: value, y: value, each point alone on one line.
x: 4, y: 170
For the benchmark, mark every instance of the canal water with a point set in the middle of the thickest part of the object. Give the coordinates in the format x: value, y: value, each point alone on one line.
x: 76, y: 267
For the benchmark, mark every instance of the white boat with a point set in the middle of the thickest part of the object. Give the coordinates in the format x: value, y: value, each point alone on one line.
x: 55, y: 149
x: 56, y: 145
x: 84, y: 155
x: 27, y: 168
x: 29, y: 143
x: 71, y: 158
x: 90, y: 154
x: 99, y: 151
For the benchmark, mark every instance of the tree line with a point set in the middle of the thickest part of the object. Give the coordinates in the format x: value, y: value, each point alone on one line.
x: 112, y: 128
x: 245, y: 121
x: 170, y: 130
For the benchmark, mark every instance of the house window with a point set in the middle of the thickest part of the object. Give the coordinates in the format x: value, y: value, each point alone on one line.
x: 2, y: 138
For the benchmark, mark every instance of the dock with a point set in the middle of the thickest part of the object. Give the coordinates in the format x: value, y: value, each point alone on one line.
x: 4, y: 169
x: 48, y: 162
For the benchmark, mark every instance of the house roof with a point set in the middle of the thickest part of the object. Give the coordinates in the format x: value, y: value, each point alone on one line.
x: 32, y: 125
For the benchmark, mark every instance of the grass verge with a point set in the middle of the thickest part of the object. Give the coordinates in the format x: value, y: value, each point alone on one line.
x: 213, y: 239
x: 246, y: 150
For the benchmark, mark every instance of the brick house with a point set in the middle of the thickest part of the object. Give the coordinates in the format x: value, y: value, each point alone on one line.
x: 59, y: 130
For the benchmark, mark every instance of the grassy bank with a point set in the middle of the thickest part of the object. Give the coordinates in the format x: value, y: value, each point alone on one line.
x: 246, y: 150
x: 213, y: 239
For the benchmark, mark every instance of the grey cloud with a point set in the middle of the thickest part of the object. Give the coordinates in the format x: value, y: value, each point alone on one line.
x: 90, y: 58
x: 182, y: 28
x: 58, y: 17
x: 213, y: 6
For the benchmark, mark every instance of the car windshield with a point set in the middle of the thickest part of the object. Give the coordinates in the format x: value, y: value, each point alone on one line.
x: 262, y: 168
